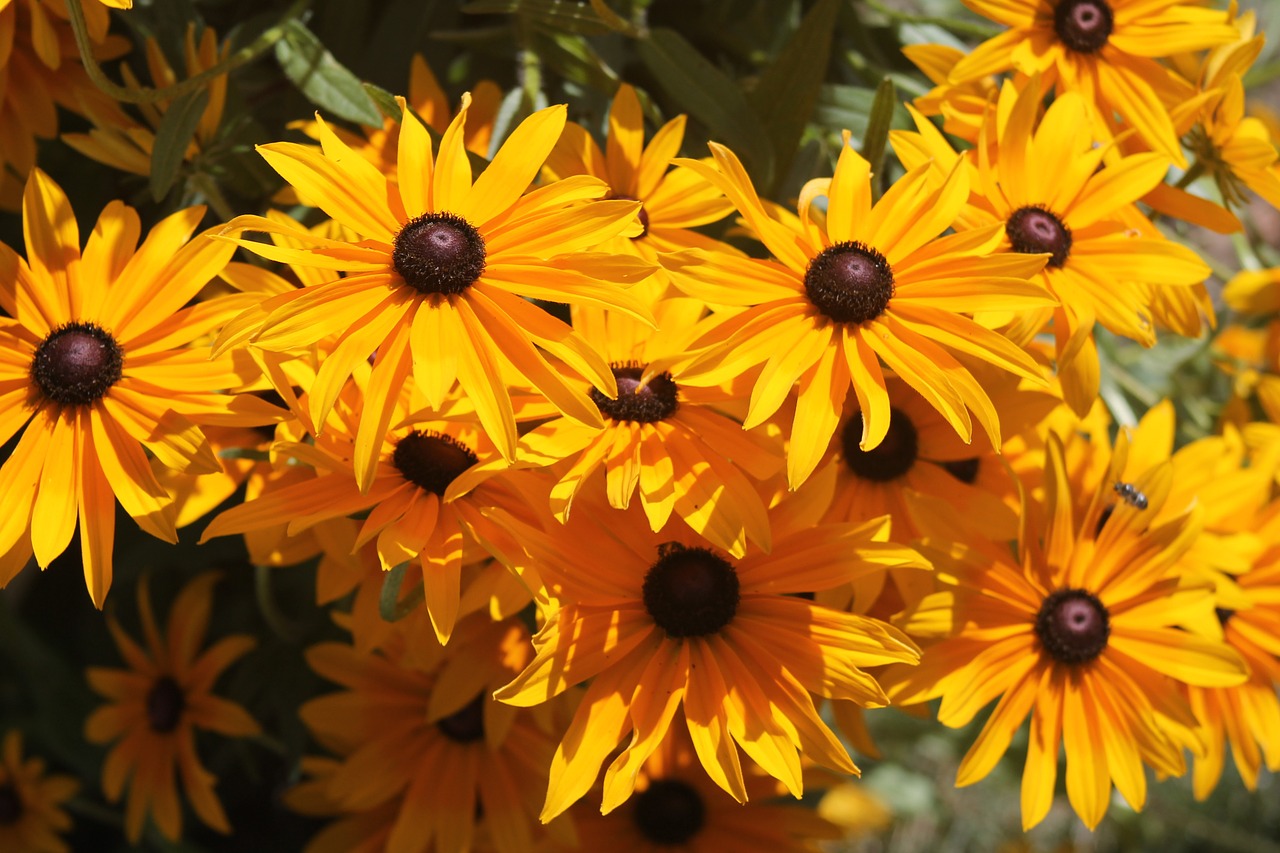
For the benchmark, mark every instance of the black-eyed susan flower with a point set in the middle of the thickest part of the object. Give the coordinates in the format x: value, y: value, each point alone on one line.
x: 419, y: 739
x: 869, y: 283
x: 676, y: 807
x: 1103, y: 50
x: 1090, y: 627
x: 155, y: 707
x: 128, y: 146
x: 1047, y: 189
x: 666, y: 627
x: 97, y: 364
x: 673, y: 202
x: 433, y: 488
x: 40, y: 69
x: 435, y: 284
x: 667, y: 443
x: 32, y: 813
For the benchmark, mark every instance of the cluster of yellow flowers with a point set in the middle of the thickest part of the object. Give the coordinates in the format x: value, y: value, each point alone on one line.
x: 602, y: 491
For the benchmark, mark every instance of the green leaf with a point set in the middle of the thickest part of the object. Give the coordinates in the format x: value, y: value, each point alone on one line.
x: 176, y: 130
x: 561, y: 16
x: 384, y: 101
x: 788, y: 87
x: 325, y: 81
x: 709, y: 96
x: 878, y: 124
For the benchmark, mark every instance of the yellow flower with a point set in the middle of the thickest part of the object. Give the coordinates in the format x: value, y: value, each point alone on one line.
x: 420, y: 741
x: 1045, y: 187
x: 677, y: 807
x: 31, y: 802
x: 96, y: 362
x: 128, y: 145
x: 664, y: 625
x: 39, y: 70
x: 1089, y: 627
x: 1104, y: 50
x: 662, y: 440
x: 435, y: 286
x: 430, y: 500
x: 155, y: 707
x: 871, y: 283
x: 672, y: 202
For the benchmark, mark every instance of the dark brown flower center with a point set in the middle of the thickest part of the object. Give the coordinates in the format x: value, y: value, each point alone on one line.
x: 165, y: 704
x: 656, y: 401
x: 439, y: 253
x: 690, y: 592
x: 10, y: 805
x: 1073, y: 626
x: 849, y: 283
x: 964, y: 470
x: 431, y: 460
x: 669, y: 812
x: 77, y: 364
x: 1036, y: 231
x: 1083, y: 25
x: 891, y: 458
x: 466, y: 725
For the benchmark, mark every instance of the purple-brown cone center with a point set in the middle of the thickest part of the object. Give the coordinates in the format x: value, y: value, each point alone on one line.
x: 1036, y: 231
x: 849, y: 283
x: 891, y: 458
x: 669, y: 812
x: 656, y: 401
x: 466, y: 725
x: 439, y: 253
x: 10, y: 805
x: 165, y: 704
x: 1073, y: 626
x: 77, y: 364
x: 690, y: 592
x: 1083, y: 25
x: 431, y: 460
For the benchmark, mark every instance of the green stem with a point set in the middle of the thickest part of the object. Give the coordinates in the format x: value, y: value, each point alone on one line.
x: 1194, y: 171
x: 208, y: 187
x: 981, y: 31
x: 93, y: 811
x: 144, y: 95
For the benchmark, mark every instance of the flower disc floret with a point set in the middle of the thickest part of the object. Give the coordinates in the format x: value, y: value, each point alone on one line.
x: 690, y: 592
x: 849, y: 282
x: 1036, y: 231
x: 431, y: 460
x: 669, y: 812
x: 77, y: 364
x: 891, y: 458
x: 467, y: 724
x: 439, y: 253
x: 165, y: 704
x: 1073, y: 626
x: 1083, y: 25
x: 657, y: 400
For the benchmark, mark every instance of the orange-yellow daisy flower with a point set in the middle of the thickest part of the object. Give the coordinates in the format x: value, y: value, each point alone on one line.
x: 155, y: 707
x: 1090, y: 628
x: 415, y: 727
x: 672, y: 201
x: 664, y: 441
x: 676, y: 807
x: 1045, y: 187
x: 871, y: 283
x: 97, y: 363
x: 435, y: 285
x: 432, y: 490
x: 664, y: 625
x: 128, y: 146
x: 1104, y: 50
x: 32, y: 813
